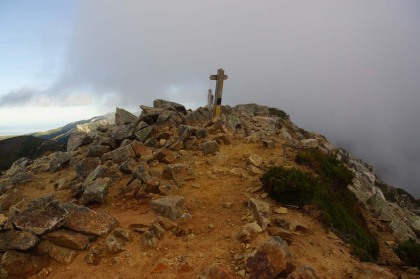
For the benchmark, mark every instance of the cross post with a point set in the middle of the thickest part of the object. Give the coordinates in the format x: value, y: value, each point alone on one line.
x: 219, y: 78
x: 210, y: 98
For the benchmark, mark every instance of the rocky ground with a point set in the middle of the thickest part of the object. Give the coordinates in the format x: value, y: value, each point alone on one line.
x: 172, y: 194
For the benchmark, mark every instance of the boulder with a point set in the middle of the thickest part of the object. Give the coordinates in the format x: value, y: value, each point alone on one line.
x: 122, y: 132
x: 303, y: 272
x: 68, y: 239
x: 97, y: 150
x: 127, y: 166
x: 87, y: 221
x: 58, y: 160
x: 268, y: 144
x: 171, y: 207
x: 123, y: 117
x: 164, y: 155
x: 144, y: 176
x: 261, y: 212
x: 145, y: 133
x: 210, y: 147
x: 178, y: 172
x: 270, y: 259
x: 96, y: 192
x: 42, y: 215
x: 122, y: 154
x: 58, y: 253
x: 17, y: 240
x: 78, y: 139
x: 248, y: 232
x: 21, y: 265
x: 283, y: 233
x: 114, y: 244
x: 159, y: 103
x: 141, y: 150
x: 216, y: 271
x: 86, y: 166
x: 309, y: 143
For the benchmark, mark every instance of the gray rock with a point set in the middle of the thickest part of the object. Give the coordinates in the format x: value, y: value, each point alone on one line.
x: 159, y: 103
x: 144, y: 176
x: 97, y: 150
x: 210, y: 147
x: 58, y: 160
x: 42, y: 215
x: 114, y: 244
x: 271, y: 259
x: 96, y: 192
x: 87, y: 221
x: 268, y: 144
x: 100, y: 172
x: 171, y: 207
x: 168, y: 190
x: 122, y: 154
x: 283, y: 233
x: 86, y: 166
x: 127, y: 166
x: 145, y: 133
x: 68, y: 239
x: 252, y: 109
x: 123, y: 132
x: 58, y: 253
x: 17, y: 240
x: 261, y: 212
x: 248, y: 232
x: 123, y: 117
x: 78, y: 139
x: 303, y: 272
x: 309, y: 143
x: 178, y: 172
x: 21, y: 265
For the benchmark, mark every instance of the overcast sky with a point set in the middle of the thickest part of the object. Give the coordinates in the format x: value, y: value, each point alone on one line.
x: 347, y: 69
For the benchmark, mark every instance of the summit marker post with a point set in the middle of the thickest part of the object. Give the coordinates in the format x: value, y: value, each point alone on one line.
x: 219, y: 78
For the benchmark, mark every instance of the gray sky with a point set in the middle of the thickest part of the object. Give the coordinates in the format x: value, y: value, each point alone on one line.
x: 347, y: 69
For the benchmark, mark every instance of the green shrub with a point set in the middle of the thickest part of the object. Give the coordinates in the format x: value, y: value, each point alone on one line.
x: 409, y: 252
x: 328, y: 191
x: 278, y: 112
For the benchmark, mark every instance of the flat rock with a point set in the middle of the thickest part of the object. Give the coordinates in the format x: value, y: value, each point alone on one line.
x: 303, y: 272
x: 122, y: 154
x: 17, y: 240
x: 58, y: 160
x: 163, y: 104
x: 58, y: 253
x: 281, y: 210
x: 178, y: 172
x: 283, y: 233
x: 87, y: 221
x: 271, y: 259
x: 16, y: 264
x: 368, y: 271
x: 42, y: 215
x: 124, y: 117
x: 261, y: 212
x: 96, y: 192
x: 171, y: 207
x: 68, y: 239
x: 255, y: 160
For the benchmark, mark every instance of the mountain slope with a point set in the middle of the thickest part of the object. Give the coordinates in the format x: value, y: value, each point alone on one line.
x: 14, y: 148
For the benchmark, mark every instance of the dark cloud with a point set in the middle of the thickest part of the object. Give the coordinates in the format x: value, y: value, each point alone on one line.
x: 17, y: 98
x: 348, y: 69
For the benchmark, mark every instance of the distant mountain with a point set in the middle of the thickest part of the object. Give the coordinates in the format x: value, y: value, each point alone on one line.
x: 15, y: 148
x: 63, y: 134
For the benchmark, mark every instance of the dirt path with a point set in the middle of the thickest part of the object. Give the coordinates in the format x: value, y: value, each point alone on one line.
x: 216, y: 200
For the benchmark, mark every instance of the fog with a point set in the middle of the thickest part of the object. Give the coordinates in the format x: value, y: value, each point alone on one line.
x: 347, y: 69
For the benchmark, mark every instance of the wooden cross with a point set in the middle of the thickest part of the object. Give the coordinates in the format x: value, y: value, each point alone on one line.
x: 219, y: 78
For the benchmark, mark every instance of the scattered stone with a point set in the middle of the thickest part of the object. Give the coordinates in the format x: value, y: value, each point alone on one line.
x: 128, y: 166
x: 143, y: 134
x: 268, y: 144
x: 3, y: 219
x: 114, y: 244
x: 167, y: 224
x: 68, y: 239
x: 122, y: 132
x: 239, y: 172
x: 149, y: 239
x: 280, y: 210
x: 295, y: 226
x: 122, y: 154
x: 44, y: 272
x: 17, y: 240
x: 123, y: 117
x: 178, y: 172
x: 158, y: 230
x: 21, y: 265
x: 85, y: 220
x: 248, y: 232
x: 255, y: 160
x: 120, y: 233
x: 303, y: 272
x: 309, y: 143
x: 96, y: 192
x: 42, y: 215
x: 256, y: 171
x: 283, y: 233
x: 164, y: 155
x: 216, y: 271
x: 171, y: 207
x: 97, y: 150
x: 261, y: 211
x: 369, y: 270
x: 58, y: 253
x: 86, y: 166
x: 227, y: 205
x: 100, y: 172
x: 271, y: 259
x: 78, y: 139
x: 141, y: 150
x: 168, y: 190
x: 58, y: 160
x: 210, y: 147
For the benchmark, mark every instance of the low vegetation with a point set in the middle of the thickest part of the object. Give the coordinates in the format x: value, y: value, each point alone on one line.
x: 409, y: 252
x: 278, y: 112
x: 328, y: 191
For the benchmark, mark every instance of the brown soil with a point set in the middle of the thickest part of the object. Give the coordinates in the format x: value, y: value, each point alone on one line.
x: 212, y: 228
